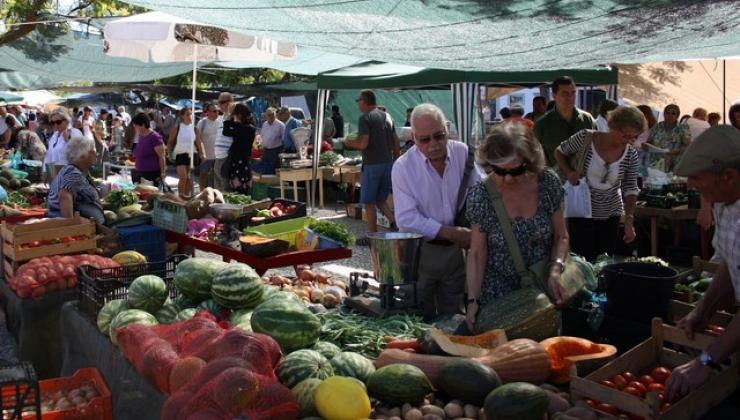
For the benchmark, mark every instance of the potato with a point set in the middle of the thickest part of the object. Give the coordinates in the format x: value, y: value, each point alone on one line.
x: 381, y: 409
x: 431, y: 417
x: 562, y: 416
x: 413, y: 414
x: 307, y: 275
x: 453, y: 410
x: 439, y: 403
x: 405, y: 409
x: 394, y: 412
x: 393, y: 418
x: 557, y: 403
x: 433, y: 409
x: 582, y: 413
x: 470, y: 411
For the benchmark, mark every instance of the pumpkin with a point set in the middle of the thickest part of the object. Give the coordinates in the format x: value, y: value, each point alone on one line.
x: 468, y: 346
x: 518, y: 360
x: 565, y: 351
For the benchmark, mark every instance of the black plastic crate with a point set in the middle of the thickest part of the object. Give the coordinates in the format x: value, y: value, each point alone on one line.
x: 99, y: 286
x: 19, y: 392
x: 246, y: 219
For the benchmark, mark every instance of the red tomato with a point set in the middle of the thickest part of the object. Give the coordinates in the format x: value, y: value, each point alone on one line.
x: 42, y: 277
x: 624, y: 416
x: 638, y: 385
x: 610, y: 384
x: 665, y: 407
x: 619, y: 381
x: 629, y: 376
x: 715, y: 329
x: 661, y: 374
x: 38, y: 292
x: 591, y: 403
x: 71, y: 282
x: 633, y: 391
x: 607, y: 408
x: 656, y: 387
x: 661, y: 397
x: 635, y: 417
x: 52, y: 286
x: 646, y: 379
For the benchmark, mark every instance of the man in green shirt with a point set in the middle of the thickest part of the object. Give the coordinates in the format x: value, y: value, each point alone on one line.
x: 564, y: 120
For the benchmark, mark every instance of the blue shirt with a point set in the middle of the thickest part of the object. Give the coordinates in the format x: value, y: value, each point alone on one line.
x: 291, y: 124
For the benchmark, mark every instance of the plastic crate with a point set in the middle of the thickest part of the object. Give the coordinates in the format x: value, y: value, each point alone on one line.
x: 19, y: 392
x: 99, y: 286
x: 99, y: 408
x: 246, y: 219
x: 147, y: 240
x: 170, y: 216
x: 285, y: 230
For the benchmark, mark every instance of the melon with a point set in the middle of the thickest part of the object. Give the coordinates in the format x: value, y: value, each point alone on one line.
x: 516, y: 401
x: 353, y: 365
x: 108, y: 312
x: 237, y: 286
x: 327, y: 349
x: 397, y: 384
x: 303, y: 393
x: 194, y: 276
x: 468, y: 380
x: 148, y: 293
x: 183, y: 370
x: 290, y: 323
x: 186, y: 314
x: 128, y: 317
x: 301, y: 365
x: 211, y: 306
x: 167, y: 313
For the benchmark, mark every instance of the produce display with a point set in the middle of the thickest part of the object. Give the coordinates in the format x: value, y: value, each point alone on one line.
x: 9, y: 181
x: 236, y: 198
x: 121, y: 199
x: 67, y: 399
x: 637, y: 385
x: 693, y: 288
x: 278, y: 209
x: 43, y: 275
x: 331, y: 230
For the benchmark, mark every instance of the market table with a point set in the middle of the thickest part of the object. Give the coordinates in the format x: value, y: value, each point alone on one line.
x: 261, y: 265
x: 301, y: 174
x: 84, y: 346
x: 674, y: 216
x: 35, y: 325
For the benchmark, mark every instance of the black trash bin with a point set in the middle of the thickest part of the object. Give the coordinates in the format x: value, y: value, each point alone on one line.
x: 638, y: 291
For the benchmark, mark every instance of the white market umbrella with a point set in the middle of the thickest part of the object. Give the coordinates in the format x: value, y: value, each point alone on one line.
x: 157, y: 37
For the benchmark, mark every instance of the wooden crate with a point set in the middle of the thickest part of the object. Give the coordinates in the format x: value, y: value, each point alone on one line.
x: 643, y: 358
x: 721, y: 318
x: 15, y: 236
x: 699, y: 266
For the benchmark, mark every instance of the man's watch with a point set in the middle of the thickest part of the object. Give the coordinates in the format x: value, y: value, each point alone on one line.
x: 559, y: 263
x: 706, y: 359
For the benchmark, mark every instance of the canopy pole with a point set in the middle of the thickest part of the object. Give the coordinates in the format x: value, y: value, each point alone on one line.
x: 724, y: 91
x: 321, y: 101
x: 192, y: 117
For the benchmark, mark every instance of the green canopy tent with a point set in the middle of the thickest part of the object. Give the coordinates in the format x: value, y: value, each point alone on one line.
x: 7, y: 98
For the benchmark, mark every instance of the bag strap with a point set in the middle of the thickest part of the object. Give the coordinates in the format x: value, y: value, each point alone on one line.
x: 461, y: 192
x: 508, y: 232
x: 581, y: 161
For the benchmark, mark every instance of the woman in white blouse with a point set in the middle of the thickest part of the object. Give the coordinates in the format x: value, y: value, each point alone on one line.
x: 59, y: 120
x: 184, y: 138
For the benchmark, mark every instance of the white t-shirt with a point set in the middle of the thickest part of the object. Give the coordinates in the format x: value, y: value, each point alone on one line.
x: 56, y: 152
x: 208, y: 134
x: 223, y: 143
x: 88, y: 125
x: 696, y: 127
x: 601, y: 124
x: 726, y: 241
x: 185, y: 139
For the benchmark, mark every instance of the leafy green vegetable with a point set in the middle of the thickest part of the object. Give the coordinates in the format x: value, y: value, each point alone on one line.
x: 118, y: 199
x: 17, y: 199
x: 329, y: 159
x: 235, y: 198
x: 332, y: 230
x: 352, y: 331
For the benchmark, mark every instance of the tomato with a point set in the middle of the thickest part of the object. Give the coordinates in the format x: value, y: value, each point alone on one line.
x: 607, y: 408
x: 665, y: 407
x: 656, y: 387
x: 629, y: 376
x: 38, y: 292
x: 716, y: 329
x: 42, y: 278
x: 661, y: 397
x: 610, y: 384
x: 52, y: 286
x: 635, y: 417
x: 71, y: 282
x: 624, y: 416
x: 619, y: 381
x: 646, y: 379
x: 591, y: 403
x: 633, y: 391
x: 638, y: 385
x: 661, y: 374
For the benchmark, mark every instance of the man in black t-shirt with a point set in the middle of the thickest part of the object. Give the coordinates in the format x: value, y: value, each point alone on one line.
x: 380, y: 147
x: 338, y: 120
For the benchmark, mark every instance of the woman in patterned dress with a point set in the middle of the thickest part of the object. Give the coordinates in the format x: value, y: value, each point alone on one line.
x: 241, y: 128
x: 671, y: 136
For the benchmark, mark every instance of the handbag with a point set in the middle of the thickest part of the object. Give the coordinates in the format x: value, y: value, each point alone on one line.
x: 572, y: 278
x: 578, y: 197
x: 461, y: 219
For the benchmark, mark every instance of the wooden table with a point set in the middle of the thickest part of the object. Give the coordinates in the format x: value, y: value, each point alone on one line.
x: 301, y: 174
x: 675, y: 216
x: 259, y: 264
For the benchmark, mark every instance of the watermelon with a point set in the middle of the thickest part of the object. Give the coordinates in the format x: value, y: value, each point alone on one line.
x: 237, y: 286
x: 185, y: 314
x: 128, y: 317
x: 516, y: 401
x: 185, y: 369
x: 274, y: 292
x: 147, y: 293
x: 352, y: 365
x: 241, y: 319
x: 290, y: 323
x: 303, y: 393
x: 327, y: 349
x: 108, y: 312
x: 397, y: 384
x: 167, y: 313
x: 194, y: 276
x: 303, y: 364
x: 468, y: 380
x: 184, y: 302
x: 211, y: 306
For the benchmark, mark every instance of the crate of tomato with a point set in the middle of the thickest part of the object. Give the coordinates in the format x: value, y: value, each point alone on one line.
x: 632, y: 385
x: 26, y: 241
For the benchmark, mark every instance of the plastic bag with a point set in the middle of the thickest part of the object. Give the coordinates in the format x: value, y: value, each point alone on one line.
x: 578, y: 199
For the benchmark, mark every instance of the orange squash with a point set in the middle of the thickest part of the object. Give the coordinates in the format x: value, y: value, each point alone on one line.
x: 521, y: 360
x: 565, y: 351
x: 468, y: 346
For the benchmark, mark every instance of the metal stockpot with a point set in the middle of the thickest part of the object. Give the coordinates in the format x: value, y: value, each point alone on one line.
x: 395, y: 256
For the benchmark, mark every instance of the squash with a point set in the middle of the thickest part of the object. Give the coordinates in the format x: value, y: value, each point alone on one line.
x: 518, y: 360
x: 524, y: 313
x: 566, y: 351
x: 468, y: 346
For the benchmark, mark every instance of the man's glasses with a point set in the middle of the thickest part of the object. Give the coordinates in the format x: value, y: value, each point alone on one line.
x: 439, y: 136
x: 56, y: 122
x: 514, y: 172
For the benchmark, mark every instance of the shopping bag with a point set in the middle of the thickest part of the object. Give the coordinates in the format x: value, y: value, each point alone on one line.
x: 578, y: 199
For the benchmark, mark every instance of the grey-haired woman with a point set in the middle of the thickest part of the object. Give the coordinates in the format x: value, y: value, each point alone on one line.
x: 73, y: 190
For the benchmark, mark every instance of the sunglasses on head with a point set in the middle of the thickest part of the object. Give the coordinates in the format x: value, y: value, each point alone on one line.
x: 439, y: 136
x: 56, y: 122
x: 519, y: 170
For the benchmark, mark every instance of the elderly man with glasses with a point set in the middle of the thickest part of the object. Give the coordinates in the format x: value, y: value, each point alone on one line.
x: 429, y: 187
x: 223, y: 143
x: 207, y: 129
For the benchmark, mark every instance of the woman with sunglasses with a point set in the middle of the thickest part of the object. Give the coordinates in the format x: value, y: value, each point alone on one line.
x: 59, y: 120
x: 671, y: 136
x: 533, y: 198
x: 610, y: 169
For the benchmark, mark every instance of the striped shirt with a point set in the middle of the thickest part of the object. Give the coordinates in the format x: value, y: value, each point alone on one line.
x: 223, y: 143
x: 85, y: 196
x: 608, y: 183
x: 726, y: 240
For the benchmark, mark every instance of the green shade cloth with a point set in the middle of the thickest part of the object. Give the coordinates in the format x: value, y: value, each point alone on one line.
x: 8, y: 97
x: 484, y: 35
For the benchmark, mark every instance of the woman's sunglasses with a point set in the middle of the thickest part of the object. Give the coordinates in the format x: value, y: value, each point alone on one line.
x: 519, y: 170
x: 439, y: 136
